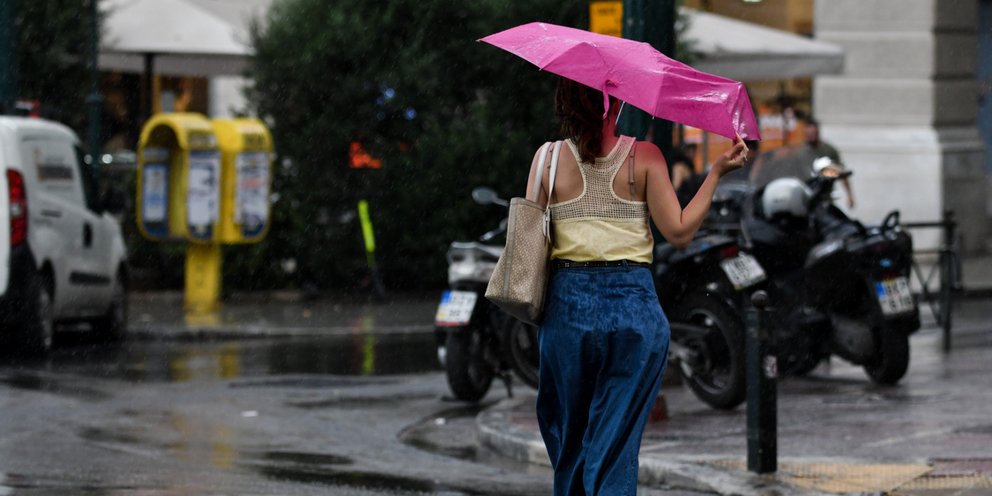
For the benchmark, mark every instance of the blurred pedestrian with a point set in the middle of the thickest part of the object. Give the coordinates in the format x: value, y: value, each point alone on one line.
x: 604, y: 338
x: 821, y: 148
x: 682, y: 171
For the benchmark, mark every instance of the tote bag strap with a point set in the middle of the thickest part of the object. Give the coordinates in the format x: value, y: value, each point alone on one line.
x: 554, y: 170
x: 551, y: 187
x: 539, y: 173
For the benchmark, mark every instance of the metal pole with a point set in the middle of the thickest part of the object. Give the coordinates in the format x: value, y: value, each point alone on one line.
x: 654, y: 23
x: 8, y: 57
x: 946, y: 276
x: 149, y: 84
x: 762, y: 370
x: 94, y: 100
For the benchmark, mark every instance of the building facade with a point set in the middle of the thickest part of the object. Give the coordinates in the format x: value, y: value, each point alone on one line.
x: 904, y: 112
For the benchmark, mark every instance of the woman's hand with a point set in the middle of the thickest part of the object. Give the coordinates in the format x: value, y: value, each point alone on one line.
x: 732, y: 160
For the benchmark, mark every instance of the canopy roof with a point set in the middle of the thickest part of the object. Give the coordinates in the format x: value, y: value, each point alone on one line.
x: 212, y: 38
x: 186, y: 37
x: 750, y: 52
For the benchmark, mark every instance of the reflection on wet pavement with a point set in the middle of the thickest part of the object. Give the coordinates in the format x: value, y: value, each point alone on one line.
x: 40, y: 383
x: 201, y: 441
x: 327, y: 469
x: 362, y: 354
x: 160, y: 315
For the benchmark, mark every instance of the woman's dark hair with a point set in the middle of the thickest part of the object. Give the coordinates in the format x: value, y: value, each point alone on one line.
x: 580, y: 109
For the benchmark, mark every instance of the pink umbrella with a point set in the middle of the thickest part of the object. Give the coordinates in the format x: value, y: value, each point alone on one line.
x: 636, y: 73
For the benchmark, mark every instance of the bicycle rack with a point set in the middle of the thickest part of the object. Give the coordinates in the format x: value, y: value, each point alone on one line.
x: 948, y: 268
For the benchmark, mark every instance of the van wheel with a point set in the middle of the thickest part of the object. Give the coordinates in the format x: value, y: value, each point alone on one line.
x: 112, y: 326
x: 38, y: 322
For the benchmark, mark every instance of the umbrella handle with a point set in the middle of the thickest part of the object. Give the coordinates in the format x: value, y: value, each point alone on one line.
x: 622, y: 103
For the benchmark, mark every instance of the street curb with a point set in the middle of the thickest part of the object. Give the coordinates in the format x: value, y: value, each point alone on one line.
x: 497, y: 432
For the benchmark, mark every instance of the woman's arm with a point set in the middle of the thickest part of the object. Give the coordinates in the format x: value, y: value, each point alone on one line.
x: 679, y: 225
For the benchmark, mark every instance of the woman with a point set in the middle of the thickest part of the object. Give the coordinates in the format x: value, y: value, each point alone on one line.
x: 604, y: 338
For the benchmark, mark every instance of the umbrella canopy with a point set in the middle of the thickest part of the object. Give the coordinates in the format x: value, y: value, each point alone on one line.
x: 751, y: 52
x: 185, y: 37
x: 636, y: 73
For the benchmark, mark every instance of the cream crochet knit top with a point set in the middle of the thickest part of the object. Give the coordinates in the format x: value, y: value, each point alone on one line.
x: 599, y: 225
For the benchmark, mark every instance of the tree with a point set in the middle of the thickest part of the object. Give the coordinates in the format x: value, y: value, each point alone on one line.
x: 406, y: 79
x: 51, y: 40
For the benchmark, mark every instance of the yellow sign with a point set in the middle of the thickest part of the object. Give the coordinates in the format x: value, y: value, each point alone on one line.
x: 606, y: 17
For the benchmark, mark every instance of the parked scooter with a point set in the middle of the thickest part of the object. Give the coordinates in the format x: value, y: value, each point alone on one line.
x: 476, y: 341
x: 837, y: 286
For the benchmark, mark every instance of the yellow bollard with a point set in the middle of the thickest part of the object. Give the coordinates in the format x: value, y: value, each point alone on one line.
x: 203, y: 278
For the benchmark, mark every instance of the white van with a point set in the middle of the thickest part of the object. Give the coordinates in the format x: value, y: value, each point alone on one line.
x: 62, y: 258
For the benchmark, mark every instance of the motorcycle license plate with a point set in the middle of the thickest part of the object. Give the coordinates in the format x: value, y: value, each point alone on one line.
x: 895, y: 296
x: 743, y: 271
x: 455, y: 308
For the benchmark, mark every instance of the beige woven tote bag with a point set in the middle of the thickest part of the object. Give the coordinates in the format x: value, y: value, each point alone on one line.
x: 520, y: 278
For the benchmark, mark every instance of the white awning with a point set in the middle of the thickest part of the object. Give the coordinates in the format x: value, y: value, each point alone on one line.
x: 750, y: 52
x: 183, y: 37
x: 212, y: 38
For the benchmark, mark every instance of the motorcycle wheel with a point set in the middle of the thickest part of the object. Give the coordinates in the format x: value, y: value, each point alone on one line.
x: 467, y: 368
x: 716, y: 372
x: 893, y: 360
x: 521, y: 350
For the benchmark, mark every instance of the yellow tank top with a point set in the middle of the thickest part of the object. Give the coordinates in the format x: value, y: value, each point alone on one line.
x: 599, y: 225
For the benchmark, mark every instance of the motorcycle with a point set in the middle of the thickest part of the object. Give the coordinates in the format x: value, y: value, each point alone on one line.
x: 702, y: 289
x: 476, y: 341
x: 838, y: 287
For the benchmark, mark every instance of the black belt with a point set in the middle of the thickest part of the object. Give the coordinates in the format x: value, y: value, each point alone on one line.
x: 560, y: 263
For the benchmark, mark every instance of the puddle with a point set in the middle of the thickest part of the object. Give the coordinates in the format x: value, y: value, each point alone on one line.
x: 13, y: 484
x: 359, y: 401
x: 334, y: 470
x: 306, y: 458
x: 359, y: 355
x: 344, y: 478
x: 32, y: 382
x: 313, y: 382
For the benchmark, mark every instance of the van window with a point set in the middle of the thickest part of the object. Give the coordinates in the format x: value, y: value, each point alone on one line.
x: 51, y: 163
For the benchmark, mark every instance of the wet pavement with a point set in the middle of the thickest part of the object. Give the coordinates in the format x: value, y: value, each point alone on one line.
x: 161, y: 316
x: 329, y: 415
x: 279, y: 396
x: 837, y: 432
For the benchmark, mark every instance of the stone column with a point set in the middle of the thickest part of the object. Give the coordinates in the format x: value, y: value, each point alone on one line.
x: 903, y: 112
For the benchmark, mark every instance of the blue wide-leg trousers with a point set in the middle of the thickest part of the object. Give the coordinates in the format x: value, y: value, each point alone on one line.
x: 604, y: 346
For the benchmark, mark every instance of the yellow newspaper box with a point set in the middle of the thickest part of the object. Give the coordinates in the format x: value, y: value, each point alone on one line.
x: 246, y: 179
x: 179, y: 179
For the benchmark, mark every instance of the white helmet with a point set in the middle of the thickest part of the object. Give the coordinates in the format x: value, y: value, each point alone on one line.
x: 785, y: 196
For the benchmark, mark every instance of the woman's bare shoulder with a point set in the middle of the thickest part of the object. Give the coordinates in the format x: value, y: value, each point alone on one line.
x: 649, y: 154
